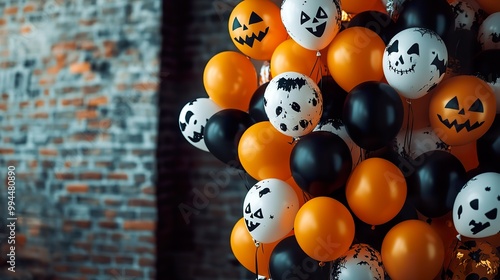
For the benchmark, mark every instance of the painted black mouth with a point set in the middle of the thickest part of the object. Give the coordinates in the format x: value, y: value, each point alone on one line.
x: 459, y: 127
x: 478, y: 227
x: 250, y: 40
x: 197, y: 136
x: 404, y: 71
x: 320, y: 29
x: 251, y: 226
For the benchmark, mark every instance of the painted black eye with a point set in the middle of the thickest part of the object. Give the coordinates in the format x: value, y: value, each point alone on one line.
x: 414, y: 49
x: 248, y: 210
x: 477, y: 106
x: 492, y: 214
x: 304, y: 18
x: 258, y: 214
x: 236, y: 23
x: 321, y: 13
x: 254, y: 18
x: 452, y: 104
x: 394, y: 47
x: 474, y: 204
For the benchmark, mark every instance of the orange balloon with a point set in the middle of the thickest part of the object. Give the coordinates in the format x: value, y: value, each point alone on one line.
x: 376, y: 191
x: 230, y: 80
x: 264, y: 152
x: 462, y: 109
x: 490, y: 6
x: 412, y: 250
x: 256, y: 28
x: 290, y: 56
x: 358, y: 6
x: 324, y: 228
x: 355, y: 56
x: 467, y: 154
x: 243, y: 248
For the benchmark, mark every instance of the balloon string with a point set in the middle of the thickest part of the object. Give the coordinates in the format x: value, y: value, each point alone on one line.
x: 257, y: 245
x: 409, y: 130
x: 318, y: 55
x: 244, y: 179
x: 452, y: 253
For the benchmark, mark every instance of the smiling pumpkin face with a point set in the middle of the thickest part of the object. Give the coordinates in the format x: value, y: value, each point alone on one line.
x: 462, y: 109
x: 256, y: 29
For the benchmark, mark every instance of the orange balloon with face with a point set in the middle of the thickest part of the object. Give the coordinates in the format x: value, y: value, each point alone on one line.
x: 462, y: 109
x: 256, y: 28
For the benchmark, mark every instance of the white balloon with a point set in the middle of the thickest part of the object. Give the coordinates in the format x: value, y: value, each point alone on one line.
x: 360, y: 262
x: 467, y: 15
x: 194, y: 117
x: 496, y: 89
x: 269, y: 210
x: 415, y: 61
x: 489, y: 32
x: 336, y: 127
x: 422, y: 140
x: 312, y: 24
x: 293, y: 103
x: 476, y: 206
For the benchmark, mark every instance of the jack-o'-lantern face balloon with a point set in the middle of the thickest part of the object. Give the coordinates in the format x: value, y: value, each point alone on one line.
x: 256, y: 28
x: 462, y: 109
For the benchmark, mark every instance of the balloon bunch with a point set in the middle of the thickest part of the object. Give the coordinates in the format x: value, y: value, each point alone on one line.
x: 373, y: 141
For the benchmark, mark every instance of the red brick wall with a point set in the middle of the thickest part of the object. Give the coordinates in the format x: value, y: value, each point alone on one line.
x: 78, y: 121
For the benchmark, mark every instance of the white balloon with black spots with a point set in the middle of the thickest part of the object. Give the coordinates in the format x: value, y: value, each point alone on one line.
x: 194, y: 117
x: 360, y: 262
x: 476, y: 206
x: 293, y: 103
x: 415, y: 142
x: 269, y: 210
x: 468, y: 14
x: 489, y: 32
x: 415, y: 61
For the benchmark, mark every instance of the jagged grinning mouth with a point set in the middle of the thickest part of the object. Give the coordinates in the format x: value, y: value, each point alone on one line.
x: 251, y: 225
x: 459, y: 127
x: 401, y: 72
x: 320, y: 29
x: 249, y: 40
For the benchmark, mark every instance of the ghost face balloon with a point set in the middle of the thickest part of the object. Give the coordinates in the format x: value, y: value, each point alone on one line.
x: 489, y: 32
x: 293, y: 103
x: 269, y: 210
x: 312, y: 24
x: 476, y: 207
x: 415, y: 61
x: 194, y: 117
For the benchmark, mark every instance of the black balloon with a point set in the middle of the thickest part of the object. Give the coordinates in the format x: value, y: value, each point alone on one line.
x: 320, y: 162
x: 378, y: 22
x: 486, y: 65
x: 436, y: 15
x: 333, y: 98
x: 289, y: 261
x: 373, y: 114
x: 256, y: 110
x: 462, y: 46
x: 223, y: 132
x: 488, y: 147
x: 434, y: 180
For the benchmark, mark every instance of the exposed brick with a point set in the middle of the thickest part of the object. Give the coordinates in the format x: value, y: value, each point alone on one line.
x: 117, y: 176
x: 79, y: 67
x: 139, y: 225
x: 146, y: 262
x: 86, y: 114
x: 124, y: 260
x: 39, y: 103
x: 141, y: 202
x: 101, y: 259
x: 4, y: 151
x: 12, y: 10
x: 41, y: 115
x: 112, y: 202
x: 72, y: 102
x: 77, y: 188
x: 65, y: 176
x: 2, y: 21
x: 99, y: 124
x: 108, y: 224
x: 148, y: 239
x: 48, y: 152
x: 29, y: 8
x: 86, y: 246
x: 149, y: 190
x: 89, y: 270
x: 24, y: 104
x: 146, y: 86
x: 90, y: 176
x: 133, y: 273
x: 97, y: 101
x: 77, y: 258
x: 91, y: 89
x: 3, y: 106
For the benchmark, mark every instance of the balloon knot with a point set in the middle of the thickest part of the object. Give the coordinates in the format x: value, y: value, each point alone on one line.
x: 373, y: 227
x: 459, y: 237
x: 408, y: 101
x: 321, y: 264
x: 257, y: 243
x: 318, y: 53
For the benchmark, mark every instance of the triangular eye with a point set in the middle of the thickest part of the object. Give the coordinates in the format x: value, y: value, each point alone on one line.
x: 394, y: 47
x: 248, y: 210
x: 236, y: 23
x: 254, y: 18
x: 474, y: 204
x: 321, y: 13
x: 452, y: 104
x: 304, y: 18
x: 492, y: 214
x: 477, y: 106
x: 258, y: 214
x: 414, y: 49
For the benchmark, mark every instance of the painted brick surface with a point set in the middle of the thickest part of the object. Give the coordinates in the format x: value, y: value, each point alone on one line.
x: 78, y: 121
